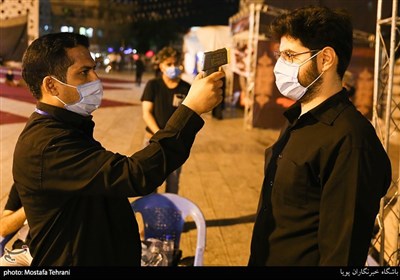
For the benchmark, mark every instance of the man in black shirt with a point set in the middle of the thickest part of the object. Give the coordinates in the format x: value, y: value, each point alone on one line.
x: 325, y: 175
x: 75, y: 192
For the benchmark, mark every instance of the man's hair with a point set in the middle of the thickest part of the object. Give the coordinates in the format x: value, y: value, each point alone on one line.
x: 167, y: 52
x: 47, y: 56
x: 316, y: 28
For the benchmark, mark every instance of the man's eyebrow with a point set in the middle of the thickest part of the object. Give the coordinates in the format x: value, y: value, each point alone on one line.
x: 87, y: 67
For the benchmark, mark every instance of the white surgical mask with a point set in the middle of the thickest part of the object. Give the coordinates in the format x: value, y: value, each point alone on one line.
x: 90, y: 97
x: 286, y: 78
x: 173, y: 72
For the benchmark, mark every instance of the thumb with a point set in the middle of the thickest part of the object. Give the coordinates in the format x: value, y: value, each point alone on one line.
x: 199, y: 76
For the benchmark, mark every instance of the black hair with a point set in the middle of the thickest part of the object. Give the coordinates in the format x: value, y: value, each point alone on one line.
x: 316, y: 28
x: 167, y: 52
x: 47, y: 56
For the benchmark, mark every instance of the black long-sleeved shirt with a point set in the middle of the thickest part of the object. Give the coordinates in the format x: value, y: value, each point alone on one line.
x: 75, y: 192
x: 324, y: 178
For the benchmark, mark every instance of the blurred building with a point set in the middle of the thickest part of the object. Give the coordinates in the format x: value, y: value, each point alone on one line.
x: 102, y: 21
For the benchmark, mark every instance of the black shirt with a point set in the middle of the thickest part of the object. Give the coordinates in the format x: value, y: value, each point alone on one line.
x: 75, y: 193
x: 13, y: 202
x: 324, y: 178
x: 165, y: 99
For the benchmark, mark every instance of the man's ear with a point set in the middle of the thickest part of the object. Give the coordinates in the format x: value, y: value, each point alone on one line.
x: 328, y: 58
x: 48, y: 86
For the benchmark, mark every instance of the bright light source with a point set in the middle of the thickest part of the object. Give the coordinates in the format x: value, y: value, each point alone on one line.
x: 149, y: 53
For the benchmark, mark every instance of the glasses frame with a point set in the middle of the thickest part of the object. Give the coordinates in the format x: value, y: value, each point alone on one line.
x: 288, y: 56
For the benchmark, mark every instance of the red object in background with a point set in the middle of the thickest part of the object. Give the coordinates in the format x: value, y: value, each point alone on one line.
x: 149, y: 54
x: 135, y: 56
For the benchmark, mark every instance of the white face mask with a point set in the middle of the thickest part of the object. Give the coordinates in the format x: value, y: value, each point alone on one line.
x: 286, y: 75
x: 90, y: 97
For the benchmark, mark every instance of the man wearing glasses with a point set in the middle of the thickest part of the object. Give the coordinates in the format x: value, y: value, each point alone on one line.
x: 325, y: 175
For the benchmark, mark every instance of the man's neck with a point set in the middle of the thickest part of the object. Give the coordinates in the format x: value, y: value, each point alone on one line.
x: 323, y: 94
x: 169, y: 82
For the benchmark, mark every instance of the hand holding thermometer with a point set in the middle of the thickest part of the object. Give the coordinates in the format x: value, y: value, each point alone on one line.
x: 213, y: 60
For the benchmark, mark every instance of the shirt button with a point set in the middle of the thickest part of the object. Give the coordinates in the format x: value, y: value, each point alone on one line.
x: 271, y: 183
x: 280, y: 156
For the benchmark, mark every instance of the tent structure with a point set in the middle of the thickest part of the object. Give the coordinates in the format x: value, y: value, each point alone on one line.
x: 19, y: 26
x: 203, y: 39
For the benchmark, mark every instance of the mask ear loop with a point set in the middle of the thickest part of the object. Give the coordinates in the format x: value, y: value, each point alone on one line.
x: 58, y: 98
x: 62, y: 82
x: 301, y: 64
x: 315, y: 79
x: 319, y: 74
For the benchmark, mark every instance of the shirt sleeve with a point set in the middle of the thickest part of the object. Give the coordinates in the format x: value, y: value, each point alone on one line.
x: 149, y: 91
x: 13, y: 203
x: 101, y: 172
x: 360, y: 176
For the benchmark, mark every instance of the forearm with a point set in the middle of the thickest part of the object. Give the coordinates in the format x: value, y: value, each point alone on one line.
x: 11, y: 221
x: 169, y: 148
x: 150, y: 122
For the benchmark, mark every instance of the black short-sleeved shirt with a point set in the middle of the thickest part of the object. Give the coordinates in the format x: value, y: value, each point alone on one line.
x: 75, y: 192
x: 165, y: 99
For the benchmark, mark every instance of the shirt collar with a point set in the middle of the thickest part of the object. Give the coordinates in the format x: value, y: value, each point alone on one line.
x: 326, y: 112
x: 63, y: 115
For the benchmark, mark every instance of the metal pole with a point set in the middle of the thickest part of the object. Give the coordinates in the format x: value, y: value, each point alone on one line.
x: 389, y: 113
x: 377, y: 65
x: 390, y: 78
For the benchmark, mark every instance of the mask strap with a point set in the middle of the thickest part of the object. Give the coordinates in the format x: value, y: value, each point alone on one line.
x: 59, y: 99
x: 315, y: 80
x: 62, y: 82
x: 310, y: 58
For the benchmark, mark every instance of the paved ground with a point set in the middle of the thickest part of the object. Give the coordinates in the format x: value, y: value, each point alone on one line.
x: 222, y: 176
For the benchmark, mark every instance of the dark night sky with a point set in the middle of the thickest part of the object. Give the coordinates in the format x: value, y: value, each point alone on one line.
x: 217, y: 12
x: 167, y: 17
x: 363, y: 12
x: 190, y: 12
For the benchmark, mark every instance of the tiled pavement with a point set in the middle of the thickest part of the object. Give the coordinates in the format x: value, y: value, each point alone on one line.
x: 222, y: 176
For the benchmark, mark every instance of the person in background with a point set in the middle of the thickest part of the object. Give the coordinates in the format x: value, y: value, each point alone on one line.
x: 10, y: 81
x: 156, y: 66
x: 161, y: 97
x: 74, y: 191
x: 139, y: 70
x: 326, y: 173
x: 349, y: 84
x: 217, y: 112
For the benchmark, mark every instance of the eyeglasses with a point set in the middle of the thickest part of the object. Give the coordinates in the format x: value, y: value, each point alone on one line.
x: 288, y: 56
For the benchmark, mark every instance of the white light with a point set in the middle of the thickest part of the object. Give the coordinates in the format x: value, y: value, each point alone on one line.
x: 89, y: 32
x: 64, y: 28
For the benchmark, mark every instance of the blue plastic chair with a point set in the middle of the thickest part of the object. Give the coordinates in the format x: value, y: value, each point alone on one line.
x: 165, y: 214
x: 3, y: 242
